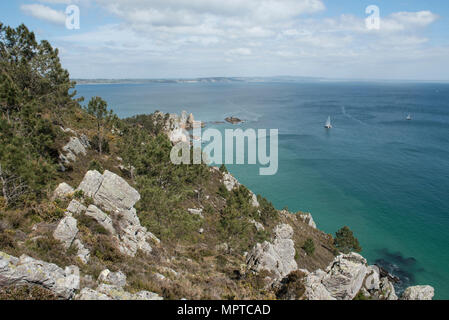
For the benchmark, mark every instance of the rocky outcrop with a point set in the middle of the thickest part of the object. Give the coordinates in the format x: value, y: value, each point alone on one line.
x: 117, y: 279
x: 74, y: 147
x: 66, y: 231
x: 198, y: 212
x: 102, y: 218
x: 76, y: 208
x: 62, y: 191
x: 257, y: 225
x: 110, y: 292
x: 111, y: 288
x: 113, y: 194
x: 28, y: 271
x: 418, y: 293
x: 344, y: 278
x: 347, y: 276
x: 230, y: 182
x: 83, y: 253
x: 277, y: 257
x: 308, y: 219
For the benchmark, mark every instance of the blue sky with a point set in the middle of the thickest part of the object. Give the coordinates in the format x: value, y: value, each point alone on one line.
x: 202, y: 38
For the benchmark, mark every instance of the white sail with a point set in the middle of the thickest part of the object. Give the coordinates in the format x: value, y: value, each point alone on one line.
x: 328, y: 123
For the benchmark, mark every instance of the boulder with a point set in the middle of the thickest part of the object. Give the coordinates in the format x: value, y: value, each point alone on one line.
x: 283, y: 231
x: 91, y: 183
x: 72, y: 149
x: 83, y: 253
x: 28, y: 271
x: 307, y: 218
x: 418, y: 293
x: 254, y: 201
x: 66, y: 231
x: 386, y: 290
x: 114, y: 194
x: 90, y: 294
x: 76, y: 207
x: 345, y: 276
x: 117, y: 279
x: 258, y: 225
x: 277, y: 257
x: 62, y: 191
x: 198, y: 212
x: 341, y: 280
x: 372, y: 279
x: 230, y: 182
x: 117, y: 293
x: 314, y: 288
x: 102, y: 218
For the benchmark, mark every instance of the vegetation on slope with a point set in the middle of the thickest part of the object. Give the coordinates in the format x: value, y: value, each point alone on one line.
x: 37, y: 103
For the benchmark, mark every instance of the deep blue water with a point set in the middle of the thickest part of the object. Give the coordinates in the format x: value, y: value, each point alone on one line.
x: 385, y: 177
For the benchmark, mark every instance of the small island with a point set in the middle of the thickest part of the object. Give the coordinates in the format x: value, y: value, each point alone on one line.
x: 233, y: 120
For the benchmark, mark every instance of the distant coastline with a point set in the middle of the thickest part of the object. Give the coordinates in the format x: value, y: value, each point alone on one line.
x: 282, y: 79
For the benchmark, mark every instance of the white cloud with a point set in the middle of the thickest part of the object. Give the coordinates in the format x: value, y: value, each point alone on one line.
x: 45, y: 13
x: 240, y: 52
x: 182, y: 38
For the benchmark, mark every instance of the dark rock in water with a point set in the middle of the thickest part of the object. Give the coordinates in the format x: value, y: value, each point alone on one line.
x: 384, y: 273
x: 233, y: 120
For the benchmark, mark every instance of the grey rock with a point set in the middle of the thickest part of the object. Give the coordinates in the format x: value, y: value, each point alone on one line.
x: 117, y: 279
x: 198, y: 212
x: 283, y: 231
x: 230, y: 182
x: 28, y: 271
x: 307, y: 218
x: 258, y: 225
x: 72, y: 149
x: 372, y: 279
x: 62, y: 191
x: 114, y: 194
x: 277, y: 257
x: 418, y: 293
x: 91, y: 183
x: 83, y: 253
x: 90, y: 294
x: 386, y: 290
x: 76, y: 207
x: 345, y: 276
x: 254, y: 201
x: 66, y: 231
x: 341, y: 280
x: 117, y: 293
x: 102, y: 218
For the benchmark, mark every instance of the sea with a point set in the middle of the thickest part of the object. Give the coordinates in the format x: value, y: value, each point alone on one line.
x: 384, y: 176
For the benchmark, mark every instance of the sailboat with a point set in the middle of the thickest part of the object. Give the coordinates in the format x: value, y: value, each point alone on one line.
x: 409, y: 117
x: 328, y: 123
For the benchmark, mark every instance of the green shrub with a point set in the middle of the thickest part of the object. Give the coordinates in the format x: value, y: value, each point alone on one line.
x: 309, y: 247
x: 346, y: 242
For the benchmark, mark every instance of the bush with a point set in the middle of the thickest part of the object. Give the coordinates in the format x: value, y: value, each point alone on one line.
x: 309, y: 247
x: 292, y: 287
x: 223, y: 169
x: 95, y: 144
x: 346, y: 242
x: 95, y: 165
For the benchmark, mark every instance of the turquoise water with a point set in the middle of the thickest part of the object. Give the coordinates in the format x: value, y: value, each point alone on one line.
x: 385, y: 177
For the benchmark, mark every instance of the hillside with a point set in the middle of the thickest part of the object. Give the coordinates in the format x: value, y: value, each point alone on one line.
x: 91, y: 207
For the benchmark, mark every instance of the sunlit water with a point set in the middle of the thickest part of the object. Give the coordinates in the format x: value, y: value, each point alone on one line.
x: 385, y: 177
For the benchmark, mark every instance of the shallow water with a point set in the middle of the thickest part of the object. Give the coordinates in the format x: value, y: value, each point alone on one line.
x: 385, y: 177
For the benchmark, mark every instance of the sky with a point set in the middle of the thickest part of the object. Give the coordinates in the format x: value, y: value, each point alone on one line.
x: 244, y: 38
